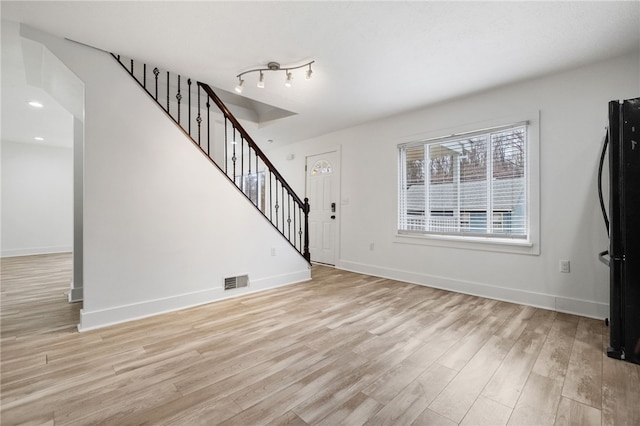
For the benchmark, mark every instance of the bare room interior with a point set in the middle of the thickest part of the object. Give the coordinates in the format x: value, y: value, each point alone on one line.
x: 320, y: 213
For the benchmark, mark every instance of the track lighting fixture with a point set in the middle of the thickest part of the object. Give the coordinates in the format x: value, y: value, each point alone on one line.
x: 274, y: 66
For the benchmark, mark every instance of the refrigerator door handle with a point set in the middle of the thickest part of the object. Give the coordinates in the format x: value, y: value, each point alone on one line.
x: 605, y: 142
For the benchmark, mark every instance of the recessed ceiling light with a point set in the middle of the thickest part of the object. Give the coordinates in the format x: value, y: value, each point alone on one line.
x: 38, y: 138
x: 36, y: 104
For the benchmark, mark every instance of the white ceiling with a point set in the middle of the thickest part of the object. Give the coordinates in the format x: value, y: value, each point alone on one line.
x: 373, y: 59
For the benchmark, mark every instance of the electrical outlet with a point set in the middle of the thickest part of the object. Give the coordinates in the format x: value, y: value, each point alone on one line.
x: 565, y: 266
x: 372, y: 246
x: 273, y: 251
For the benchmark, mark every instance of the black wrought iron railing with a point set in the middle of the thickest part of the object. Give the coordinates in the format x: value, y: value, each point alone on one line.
x: 211, y: 126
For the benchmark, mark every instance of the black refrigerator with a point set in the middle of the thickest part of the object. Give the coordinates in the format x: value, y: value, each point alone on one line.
x: 623, y: 138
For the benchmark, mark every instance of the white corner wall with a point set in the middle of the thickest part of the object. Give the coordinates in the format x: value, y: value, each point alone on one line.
x: 37, y: 199
x: 162, y: 225
x: 573, y: 116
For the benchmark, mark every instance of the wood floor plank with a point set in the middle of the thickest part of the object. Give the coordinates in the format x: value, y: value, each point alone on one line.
x: 486, y: 412
x: 340, y: 349
x: 230, y: 380
x: 308, y: 387
x: 250, y: 395
x: 458, y: 356
x: 460, y: 394
x: 538, y: 403
x: 390, y: 384
x: 409, y: 404
x: 194, y: 409
x: 431, y: 418
x: 573, y: 413
x: 507, y: 383
x: 355, y: 411
x: 553, y: 359
x: 583, y: 382
x: 288, y: 419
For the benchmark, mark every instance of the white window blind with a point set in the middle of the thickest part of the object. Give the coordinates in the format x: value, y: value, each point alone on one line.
x: 472, y: 185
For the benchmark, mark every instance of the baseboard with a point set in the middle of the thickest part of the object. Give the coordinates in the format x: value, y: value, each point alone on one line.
x: 584, y: 308
x: 75, y: 295
x: 91, y: 320
x: 35, y: 251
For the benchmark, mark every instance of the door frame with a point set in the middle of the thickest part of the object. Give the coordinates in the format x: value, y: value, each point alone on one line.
x: 337, y: 173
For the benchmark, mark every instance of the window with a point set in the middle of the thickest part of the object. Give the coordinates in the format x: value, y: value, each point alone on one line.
x: 474, y: 185
x: 253, y: 185
x: 321, y: 167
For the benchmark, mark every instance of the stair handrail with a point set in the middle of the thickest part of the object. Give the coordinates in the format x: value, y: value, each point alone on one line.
x: 249, y: 140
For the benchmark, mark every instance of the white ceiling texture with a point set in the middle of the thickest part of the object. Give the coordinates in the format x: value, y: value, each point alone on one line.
x: 373, y: 59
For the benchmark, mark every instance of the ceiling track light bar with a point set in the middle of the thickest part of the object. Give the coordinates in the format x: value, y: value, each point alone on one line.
x: 273, y: 66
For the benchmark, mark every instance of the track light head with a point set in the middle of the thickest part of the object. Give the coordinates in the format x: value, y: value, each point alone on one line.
x: 240, y: 85
x: 309, y: 73
x: 289, y: 81
x: 261, y: 81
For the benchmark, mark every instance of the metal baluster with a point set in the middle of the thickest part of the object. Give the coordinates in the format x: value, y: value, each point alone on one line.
x: 300, y: 227
x: 306, y: 253
x: 258, y: 186
x: 249, y: 173
x: 289, y: 215
x: 199, y: 118
x: 132, y: 67
x: 226, y: 141
x: 144, y: 76
x: 234, y: 158
x: 208, y: 128
x: 294, y: 224
x: 189, y: 86
x: 179, y: 98
x: 276, y: 206
x: 282, y: 187
x: 242, y: 163
x: 168, y: 92
x: 270, y: 196
x: 156, y: 71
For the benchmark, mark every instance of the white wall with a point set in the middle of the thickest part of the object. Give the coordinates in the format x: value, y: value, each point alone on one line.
x: 573, y: 115
x: 162, y: 225
x: 37, y: 199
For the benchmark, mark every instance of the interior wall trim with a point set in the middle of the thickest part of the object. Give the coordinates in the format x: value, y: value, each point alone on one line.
x: 36, y: 250
x: 586, y: 308
x: 91, y: 320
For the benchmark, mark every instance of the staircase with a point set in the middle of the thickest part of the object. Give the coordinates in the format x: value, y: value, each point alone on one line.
x: 208, y: 123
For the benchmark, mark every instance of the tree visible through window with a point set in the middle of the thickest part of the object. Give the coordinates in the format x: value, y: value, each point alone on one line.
x: 467, y: 185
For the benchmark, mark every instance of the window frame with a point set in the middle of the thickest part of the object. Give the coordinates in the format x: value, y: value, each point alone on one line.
x: 528, y: 245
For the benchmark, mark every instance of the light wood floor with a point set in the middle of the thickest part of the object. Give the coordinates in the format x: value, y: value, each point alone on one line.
x: 343, y: 349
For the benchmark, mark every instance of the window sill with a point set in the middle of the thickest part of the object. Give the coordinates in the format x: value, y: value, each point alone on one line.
x: 470, y: 243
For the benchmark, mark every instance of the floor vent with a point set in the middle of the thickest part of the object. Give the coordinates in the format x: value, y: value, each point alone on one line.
x: 236, y: 282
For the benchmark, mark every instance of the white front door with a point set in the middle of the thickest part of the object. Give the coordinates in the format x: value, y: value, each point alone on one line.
x: 322, y: 191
